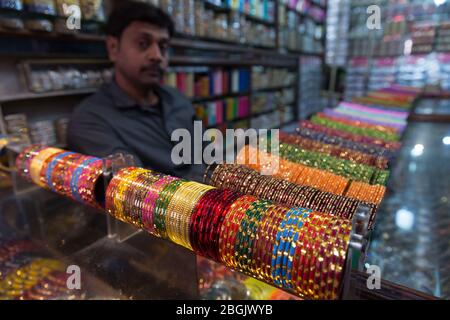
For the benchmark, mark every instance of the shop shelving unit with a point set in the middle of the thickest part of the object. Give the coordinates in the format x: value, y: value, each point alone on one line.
x: 188, y: 51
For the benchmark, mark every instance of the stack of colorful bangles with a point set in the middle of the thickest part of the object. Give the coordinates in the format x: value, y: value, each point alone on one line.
x: 335, y: 151
x: 341, y: 167
x: 345, y: 151
x: 325, y: 136
x: 291, y: 230
x: 309, y: 176
x: 357, y: 123
x: 301, y: 251
x: 70, y: 174
x: 248, y: 181
x: 328, y: 130
x: 354, y: 129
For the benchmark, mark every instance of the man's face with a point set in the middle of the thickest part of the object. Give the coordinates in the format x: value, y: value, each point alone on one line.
x: 141, y: 54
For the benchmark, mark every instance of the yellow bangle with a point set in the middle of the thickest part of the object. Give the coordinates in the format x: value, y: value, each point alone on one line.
x: 122, y: 188
x: 180, y: 210
x: 38, y: 162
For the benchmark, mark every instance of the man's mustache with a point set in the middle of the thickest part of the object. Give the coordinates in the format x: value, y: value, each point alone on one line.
x: 153, y: 68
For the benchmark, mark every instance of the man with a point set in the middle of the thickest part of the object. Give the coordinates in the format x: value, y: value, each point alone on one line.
x: 134, y: 114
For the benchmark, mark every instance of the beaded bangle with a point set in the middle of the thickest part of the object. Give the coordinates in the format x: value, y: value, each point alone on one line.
x: 152, y: 195
x: 246, y: 236
x: 163, y: 201
x: 23, y: 160
x: 232, y: 224
x: 87, y: 182
x: 394, y: 146
x: 180, y: 209
x: 369, y: 132
x: 114, y: 198
x: 229, y: 197
x: 38, y: 161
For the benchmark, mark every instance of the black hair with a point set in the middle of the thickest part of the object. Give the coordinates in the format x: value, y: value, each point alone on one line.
x: 128, y: 12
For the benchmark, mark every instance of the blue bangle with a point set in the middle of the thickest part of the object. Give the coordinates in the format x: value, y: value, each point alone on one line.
x: 52, y: 166
x: 76, y: 177
x: 288, y: 242
x: 286, y: 247
x: 276, y: 258
x: 290, y: 256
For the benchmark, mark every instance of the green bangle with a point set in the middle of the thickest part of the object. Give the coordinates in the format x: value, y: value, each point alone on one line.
x: 342, y: 167
x: 247, y: 233
x: 161, y: 206
x: 369, y: 132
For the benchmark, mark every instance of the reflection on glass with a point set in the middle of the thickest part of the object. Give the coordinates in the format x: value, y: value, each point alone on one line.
x: 410, y: 241
x: 433, y: 107
x: 417, y: 151
x: 404, y: 219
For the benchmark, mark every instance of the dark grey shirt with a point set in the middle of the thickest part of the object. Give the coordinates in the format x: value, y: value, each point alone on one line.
x: 111, y: 122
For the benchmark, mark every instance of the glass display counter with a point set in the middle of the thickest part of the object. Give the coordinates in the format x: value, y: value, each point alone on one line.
x: 411, y: 240
x: 409, y: 243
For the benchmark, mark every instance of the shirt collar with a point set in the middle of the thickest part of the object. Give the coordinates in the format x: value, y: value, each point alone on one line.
x: 119, y: 97
x: 123, y: 101
x: 171, y: 108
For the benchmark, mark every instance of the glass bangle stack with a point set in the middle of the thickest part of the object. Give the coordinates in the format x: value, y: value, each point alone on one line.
x: 297, y: 249
x: 291, y: 231
x: 336, y: 161
x: 67, y: 173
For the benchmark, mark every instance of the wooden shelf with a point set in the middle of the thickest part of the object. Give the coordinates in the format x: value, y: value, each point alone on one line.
x: 52, y: 35
x: 305, y: 53
x: 221, y: 97
x: 254, y: 115
x: 211, y: 61
x: 23, y: 14
x: 218, y: 45
x: 61, y: 93
x: 247, y: 118
x: 276, y: 88
x: 248, y: 16
x: 259, y: 20
x: 180, y: 41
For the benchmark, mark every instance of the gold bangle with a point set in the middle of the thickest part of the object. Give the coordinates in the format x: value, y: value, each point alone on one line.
x: 38, y: 162
x: 180, y: 210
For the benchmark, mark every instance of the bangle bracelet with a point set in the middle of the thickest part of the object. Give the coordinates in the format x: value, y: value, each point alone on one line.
x: 37, y: 163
